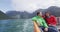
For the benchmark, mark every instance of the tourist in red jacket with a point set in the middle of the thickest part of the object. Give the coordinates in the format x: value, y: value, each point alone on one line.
x: 51, y: 21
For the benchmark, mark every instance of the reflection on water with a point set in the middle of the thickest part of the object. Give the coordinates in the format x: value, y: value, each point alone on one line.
x: 16, y: 25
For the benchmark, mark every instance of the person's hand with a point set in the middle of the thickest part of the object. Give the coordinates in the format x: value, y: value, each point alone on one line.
x: 46, y: 29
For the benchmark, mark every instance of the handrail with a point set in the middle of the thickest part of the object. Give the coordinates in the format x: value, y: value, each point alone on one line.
x: 36, y: 28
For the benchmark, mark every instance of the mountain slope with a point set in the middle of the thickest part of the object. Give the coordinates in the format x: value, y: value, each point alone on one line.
x: 3, y: 16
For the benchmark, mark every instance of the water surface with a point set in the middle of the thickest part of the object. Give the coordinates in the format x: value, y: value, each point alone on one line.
x: 16, y: 25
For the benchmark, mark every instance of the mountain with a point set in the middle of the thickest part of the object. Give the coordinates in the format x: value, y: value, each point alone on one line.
x: 17, y: 14
x: 3, y: 15
x: 54, y: 10
x: 13, y: 14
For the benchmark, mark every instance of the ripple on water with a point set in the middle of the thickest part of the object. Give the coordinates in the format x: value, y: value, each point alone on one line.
x: 17, y: 25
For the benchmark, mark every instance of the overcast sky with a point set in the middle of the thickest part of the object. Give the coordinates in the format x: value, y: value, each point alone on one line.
x: 27, y: 5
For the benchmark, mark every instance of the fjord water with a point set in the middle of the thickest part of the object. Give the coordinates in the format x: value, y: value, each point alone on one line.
x: 16, y: 25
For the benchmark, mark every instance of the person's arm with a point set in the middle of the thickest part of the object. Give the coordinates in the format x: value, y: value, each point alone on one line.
x: 36, y: 28
x: 34, y: 20
x: 54, y: 21
x: 45, y: 25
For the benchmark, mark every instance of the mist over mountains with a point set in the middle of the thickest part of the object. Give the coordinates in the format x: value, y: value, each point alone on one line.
x: 24, y: 15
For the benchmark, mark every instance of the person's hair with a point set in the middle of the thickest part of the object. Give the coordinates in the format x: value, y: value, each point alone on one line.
x: 48, y: 13
x: 38, y: 13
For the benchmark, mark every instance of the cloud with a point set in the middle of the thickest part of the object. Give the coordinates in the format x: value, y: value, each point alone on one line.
x: 32, y: 5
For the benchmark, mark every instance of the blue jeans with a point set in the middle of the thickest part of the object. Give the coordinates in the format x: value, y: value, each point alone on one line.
x: 52, y: 29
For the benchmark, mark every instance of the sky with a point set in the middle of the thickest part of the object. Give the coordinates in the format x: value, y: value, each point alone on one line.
x: 27, y: 5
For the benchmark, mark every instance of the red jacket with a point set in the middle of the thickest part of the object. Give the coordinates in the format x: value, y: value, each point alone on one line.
x: 51, y: 20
